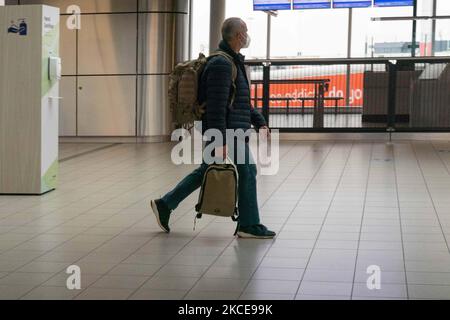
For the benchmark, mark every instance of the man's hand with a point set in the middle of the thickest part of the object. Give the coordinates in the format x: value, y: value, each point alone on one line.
x: 265, y: 130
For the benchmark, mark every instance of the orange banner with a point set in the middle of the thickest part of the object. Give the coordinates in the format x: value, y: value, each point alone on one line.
x: 297, y: 92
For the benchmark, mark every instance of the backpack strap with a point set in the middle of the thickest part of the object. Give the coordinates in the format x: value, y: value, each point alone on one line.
x: 234, y: 72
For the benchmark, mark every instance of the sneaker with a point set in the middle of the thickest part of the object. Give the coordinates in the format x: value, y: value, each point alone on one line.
x: 162, y: 214
x: 257, y: 231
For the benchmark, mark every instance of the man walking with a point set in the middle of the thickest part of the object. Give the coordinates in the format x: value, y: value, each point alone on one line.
x: 215, y: 87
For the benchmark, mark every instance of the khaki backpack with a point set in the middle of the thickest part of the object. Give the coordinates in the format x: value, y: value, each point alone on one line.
x: 219, y: 192
x: 183, y: 89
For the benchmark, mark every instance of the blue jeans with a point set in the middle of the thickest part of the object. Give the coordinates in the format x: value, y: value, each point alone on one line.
x: 247, y: 202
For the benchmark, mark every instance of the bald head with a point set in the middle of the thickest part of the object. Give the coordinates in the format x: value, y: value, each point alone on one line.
x: 234, y: 31
x: 232, y: 27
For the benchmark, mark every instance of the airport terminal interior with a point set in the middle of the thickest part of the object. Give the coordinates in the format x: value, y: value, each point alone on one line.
x: 360, y: 202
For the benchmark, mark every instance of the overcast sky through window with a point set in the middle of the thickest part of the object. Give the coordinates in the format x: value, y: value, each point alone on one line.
x: 320, y: 32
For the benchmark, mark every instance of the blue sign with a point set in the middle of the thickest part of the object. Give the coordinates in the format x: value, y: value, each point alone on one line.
x: 312, y: 4
x: 393, y: 3
x: 272, y: 4
x: 352, y: 3
x: 21, y: 29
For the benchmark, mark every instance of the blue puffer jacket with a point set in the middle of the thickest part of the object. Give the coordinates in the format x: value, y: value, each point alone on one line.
x: 215, y: 89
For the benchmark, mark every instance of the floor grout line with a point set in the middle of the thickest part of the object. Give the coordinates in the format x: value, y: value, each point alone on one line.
x: 125, y: 177
x: 194, y: 238
x: 76, y: 235
x: 325, y: 217
x: 297, y: 202
x: 397, y: 188
x: 362, y: 216
x: 76, y: 156
x: 430, y: 197
x: 446, y: 165
x: 226, y: 247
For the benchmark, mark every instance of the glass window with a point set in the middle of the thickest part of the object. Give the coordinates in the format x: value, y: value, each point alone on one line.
x: 256, y: 23
x: 323, y: 33
x: 424, y: 32
x: 442, y: 44
x: 443, y: 7
x: 200, y: 27
x: 381, y: 38
x: 310, y: 34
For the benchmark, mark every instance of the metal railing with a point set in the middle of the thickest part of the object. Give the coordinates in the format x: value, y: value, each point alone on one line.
x: 353, y: 95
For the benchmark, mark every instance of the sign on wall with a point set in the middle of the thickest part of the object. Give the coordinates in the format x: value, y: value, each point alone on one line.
x: 312, y: 4
x: 20, y: 28
x: 393, y: 3
x: 352, y: 3
x: 272, y: 4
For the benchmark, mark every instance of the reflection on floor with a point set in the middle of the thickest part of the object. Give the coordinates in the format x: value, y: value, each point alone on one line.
x: 339, y: 208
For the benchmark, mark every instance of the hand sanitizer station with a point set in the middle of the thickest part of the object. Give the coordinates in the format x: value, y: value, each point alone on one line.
x: 30, y: 70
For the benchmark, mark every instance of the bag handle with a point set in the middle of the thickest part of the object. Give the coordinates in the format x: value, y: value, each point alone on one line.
x: 228, y: 160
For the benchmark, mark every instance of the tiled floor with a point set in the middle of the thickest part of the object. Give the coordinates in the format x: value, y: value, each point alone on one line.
x: 339, y: 207
x: 70, y: 150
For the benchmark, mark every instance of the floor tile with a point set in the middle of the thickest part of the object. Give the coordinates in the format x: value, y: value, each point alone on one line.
x: 321, y: 297
x: 264, y: 273
x: 325, y: 288
x: 43, y: 267
x: 386, y: 277
x: 270, y: 262
x: 151, y: 294
x: 211, y: 295
x: 135, y: 270
x: 170, y: 283
x: 25, y: 279
x: 104, y: 294
x: 387, y: 291
x: 265, y: 296
x: 272, y: 286
x: 13, y: 292
x: 429, y: 278
x: 11, y: 265
x: 229, y: 273
x: 429, y: 292
x: 326, y: 275
x: 120, y: 282
x: 51, y: 293
x: 60, y: 280
x: 148, y: 259
x: 187, y: 260
x: 222, y: 285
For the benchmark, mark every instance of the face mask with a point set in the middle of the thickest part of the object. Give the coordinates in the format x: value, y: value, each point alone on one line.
x: 247, y: 42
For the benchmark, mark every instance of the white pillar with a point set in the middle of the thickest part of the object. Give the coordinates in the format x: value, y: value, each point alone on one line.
x: 217, y: 16
x: 2, y: 2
